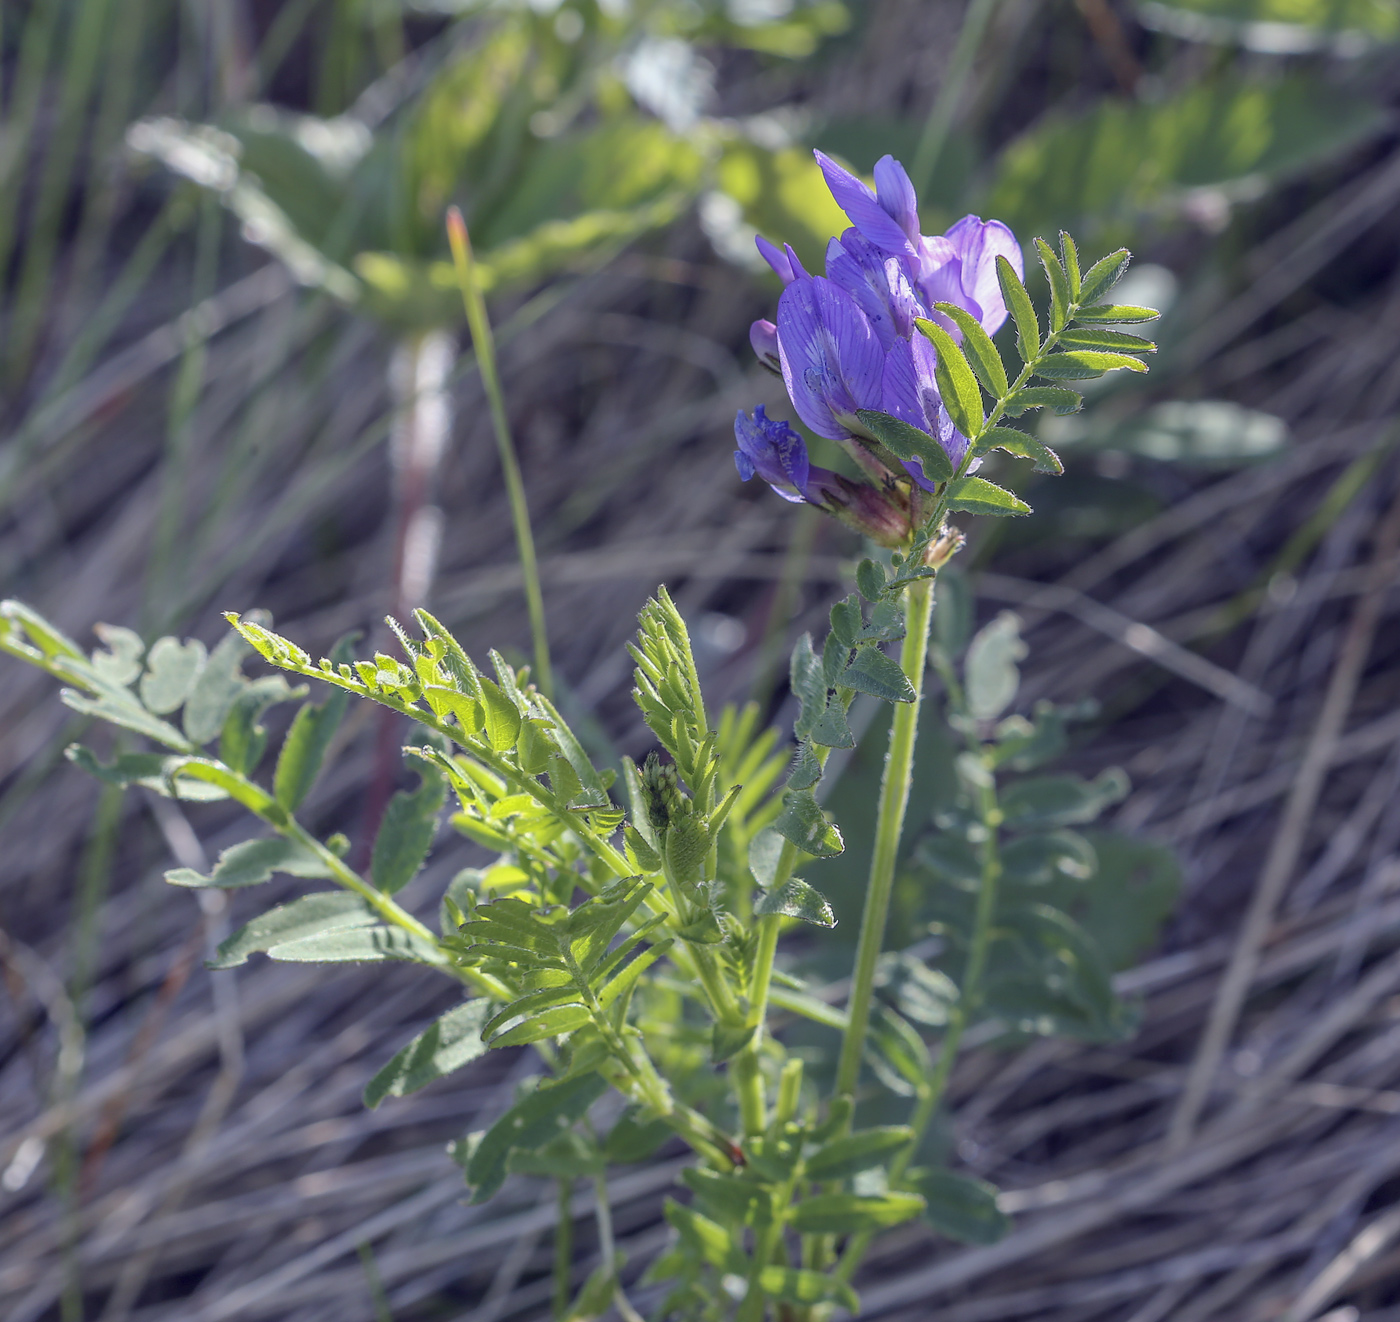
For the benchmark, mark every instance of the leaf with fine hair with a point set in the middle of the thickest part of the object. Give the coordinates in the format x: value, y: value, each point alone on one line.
x: 533, y: 1121
x: 1059, y: 285
x: 447, y: 1044
x: 957, y: 383
x: 1023, y: 446
x: 905, y: 441
x: 980, y: 350
x: 253, y: 862
x: 853, y: 1214
x: 406, y: 832
x: 975, y: 495
x: 305, y: 916
x: 1022, y: 310
x: 796, y: 899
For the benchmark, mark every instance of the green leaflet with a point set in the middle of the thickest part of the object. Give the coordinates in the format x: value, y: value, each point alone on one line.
x: 502, y: 717
x: 117, y: 707
x: 533, y: 1121
x: 406, y: 833
x: 981, y: 352
x: 359, y: 945
x: 991, y: 675
x: 145, y: 769
x: 976, y: 495
x: 1084, y: 364
x: 796, y: 899
x: 957, y: 383
x: 852, y: 1214
x: 172, y: 669
x: 1046, y: 801
x: 1012, y: 441
x: 802, y: 822
x: 960, y: 1207
x: 448, y: 1043
x: 218, y: 685
x: 253, y: 862
x: 304, y: 748
x: 906, y: 442
x: 1061, y: 399
x: 847, y: 1156
x: 872, y: 672
x: 797, y: 1285
x: 1022, y: 311
x: 306, y: 916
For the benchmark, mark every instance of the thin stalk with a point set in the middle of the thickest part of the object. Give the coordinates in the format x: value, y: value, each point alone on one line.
x: 373, y: 1281
x: 608, y: 1247
x: 940, y: 118
x: 894, y: 800
x: 485, y: 347
x: 563, y: 1249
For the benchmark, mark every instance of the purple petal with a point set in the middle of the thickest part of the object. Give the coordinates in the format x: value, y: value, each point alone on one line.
x: 895, y: 193
x: 864, y: 209
x: 799, y: 273
x: 831, y: 357
x: 775, y: 258
x: 910, y: 393
x: 744, y: 464
x: 980, y: 243
x: 763, y: 336
x: 858, y: 267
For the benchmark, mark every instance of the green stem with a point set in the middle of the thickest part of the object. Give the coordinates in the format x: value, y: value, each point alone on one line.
x: 931, y: 1095
x: 894, y: 799
x: 485, y: 347
x: 564, y: 1249
x: 764, y: 954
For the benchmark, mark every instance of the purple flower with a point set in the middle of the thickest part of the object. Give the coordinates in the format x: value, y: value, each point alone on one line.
x: 773, y: 451
x: 848, y: 341
x: 957, y: 267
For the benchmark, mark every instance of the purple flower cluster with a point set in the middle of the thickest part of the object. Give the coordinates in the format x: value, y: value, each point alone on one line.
x: 847, y: 341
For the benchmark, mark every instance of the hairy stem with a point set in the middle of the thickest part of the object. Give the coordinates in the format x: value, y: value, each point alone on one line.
x: 931, y: 1094
x: 894, y: 799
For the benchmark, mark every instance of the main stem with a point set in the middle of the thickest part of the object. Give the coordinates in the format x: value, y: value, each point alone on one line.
x: 894, y: 799
x: 931, y: 1095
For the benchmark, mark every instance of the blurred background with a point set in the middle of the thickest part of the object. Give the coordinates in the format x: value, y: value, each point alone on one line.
x: 233, y: 374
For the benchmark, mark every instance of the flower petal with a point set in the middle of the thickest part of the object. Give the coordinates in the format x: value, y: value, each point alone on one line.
x: 831, y: 357
x: 979, y: 244
x: 775, y: 258
x: 895, y: 193
x: 864, y: 209
x: 763, y: 336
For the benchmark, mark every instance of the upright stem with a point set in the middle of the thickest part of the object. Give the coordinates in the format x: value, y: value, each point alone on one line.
x: 931, y: 1095
x: 894, y: 799
x: 485, y: 346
